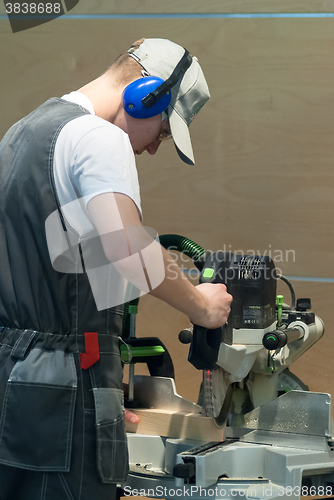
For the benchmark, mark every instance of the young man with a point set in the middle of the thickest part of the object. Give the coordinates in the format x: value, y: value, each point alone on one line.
x: 70, y: 211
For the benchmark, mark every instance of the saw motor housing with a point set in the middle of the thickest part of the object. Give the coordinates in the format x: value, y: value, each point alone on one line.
x: 251, y: 280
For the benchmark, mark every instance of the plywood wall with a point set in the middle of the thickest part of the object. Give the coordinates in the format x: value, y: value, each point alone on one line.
x: 264, y: 148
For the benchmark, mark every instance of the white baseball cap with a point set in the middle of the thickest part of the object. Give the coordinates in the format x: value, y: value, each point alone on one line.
x: 159, y: 57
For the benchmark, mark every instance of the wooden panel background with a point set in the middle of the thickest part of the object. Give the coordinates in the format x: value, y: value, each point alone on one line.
x: 213, y: 6
x: 264, y: 148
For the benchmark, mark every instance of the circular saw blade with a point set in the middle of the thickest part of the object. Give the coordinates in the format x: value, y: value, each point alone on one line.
x: 217, y: 394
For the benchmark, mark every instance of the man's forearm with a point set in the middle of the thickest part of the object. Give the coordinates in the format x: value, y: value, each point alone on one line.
x: 176, y: 290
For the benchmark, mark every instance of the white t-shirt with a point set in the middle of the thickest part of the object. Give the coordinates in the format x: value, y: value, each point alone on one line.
x: 92, y: 156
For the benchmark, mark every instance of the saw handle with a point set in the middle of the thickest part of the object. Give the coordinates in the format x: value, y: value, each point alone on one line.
x: 204, y: 348
x: 279, y: 338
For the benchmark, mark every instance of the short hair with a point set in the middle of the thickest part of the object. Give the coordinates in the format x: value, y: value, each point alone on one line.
x: 125, y: 68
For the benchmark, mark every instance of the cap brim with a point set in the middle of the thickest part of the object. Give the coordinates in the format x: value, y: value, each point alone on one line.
x: 181, y: 136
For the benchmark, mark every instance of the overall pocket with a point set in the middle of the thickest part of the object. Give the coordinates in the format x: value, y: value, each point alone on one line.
x: 37, y: 413
x: 112, y: 450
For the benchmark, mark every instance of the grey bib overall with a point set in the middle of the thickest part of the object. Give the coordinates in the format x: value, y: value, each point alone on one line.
x: 49, y: 405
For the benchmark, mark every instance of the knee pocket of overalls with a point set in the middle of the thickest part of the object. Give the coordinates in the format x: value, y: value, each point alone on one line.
x: 36, y: 424
x: 112, y: 451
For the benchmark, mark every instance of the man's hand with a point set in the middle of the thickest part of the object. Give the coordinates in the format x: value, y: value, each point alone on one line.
x: 131, y: 417
x: 217, y: 306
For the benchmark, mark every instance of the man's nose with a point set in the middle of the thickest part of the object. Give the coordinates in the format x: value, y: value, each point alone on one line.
x: 152, y: 148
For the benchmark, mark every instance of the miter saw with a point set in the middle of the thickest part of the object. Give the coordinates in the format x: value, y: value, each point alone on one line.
x: 277, y: 436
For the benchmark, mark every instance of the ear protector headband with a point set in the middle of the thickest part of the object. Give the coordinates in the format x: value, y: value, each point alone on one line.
x: 150, y: 96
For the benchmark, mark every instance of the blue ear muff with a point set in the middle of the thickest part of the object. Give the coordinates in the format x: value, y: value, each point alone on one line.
x: 139, y: 89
